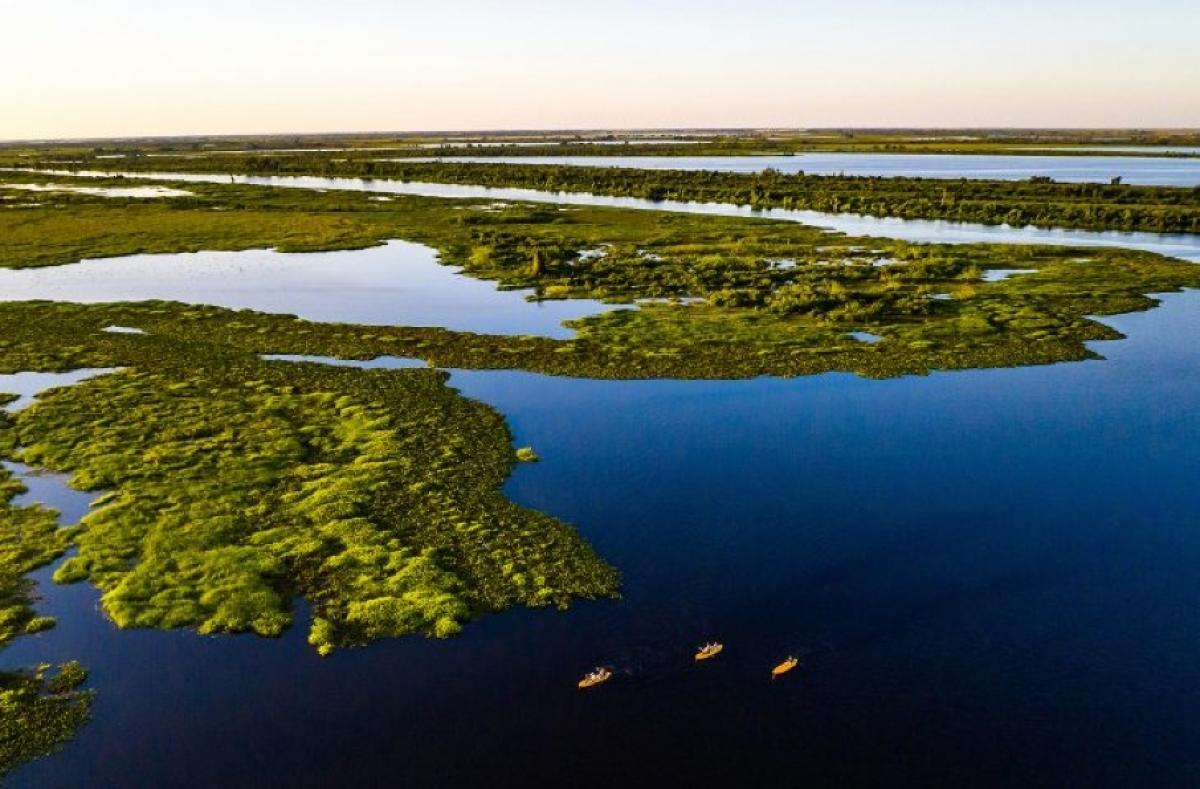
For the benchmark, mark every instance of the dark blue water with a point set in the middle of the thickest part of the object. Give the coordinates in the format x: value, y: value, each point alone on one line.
x: 43, y: 487
x: 993, y: 579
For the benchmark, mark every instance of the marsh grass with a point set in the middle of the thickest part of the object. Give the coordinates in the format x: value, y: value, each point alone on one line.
x: 39, y: 710
x: 1037, y: 201
x: 234, y: 484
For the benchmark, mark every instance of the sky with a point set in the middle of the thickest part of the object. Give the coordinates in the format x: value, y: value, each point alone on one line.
x: 104, y: 68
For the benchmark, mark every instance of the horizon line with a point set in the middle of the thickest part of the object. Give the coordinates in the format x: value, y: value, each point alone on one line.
x: 582, y: 130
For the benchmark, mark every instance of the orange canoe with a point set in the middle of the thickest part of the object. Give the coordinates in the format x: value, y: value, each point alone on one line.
x: 709, y: 651
x: 595, y: 678
x: 784, y: 667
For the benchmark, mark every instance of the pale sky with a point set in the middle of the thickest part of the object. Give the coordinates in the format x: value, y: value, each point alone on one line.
x: 97, y: 68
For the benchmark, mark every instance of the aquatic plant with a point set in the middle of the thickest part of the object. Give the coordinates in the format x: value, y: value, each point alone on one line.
x: 38, y: 710
x: 1040, y: 202
x: 234, y: 484
x: 29, y: 538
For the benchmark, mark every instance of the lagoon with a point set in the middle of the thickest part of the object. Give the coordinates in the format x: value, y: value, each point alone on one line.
x: 396, y: 284
x: 1021, y: 604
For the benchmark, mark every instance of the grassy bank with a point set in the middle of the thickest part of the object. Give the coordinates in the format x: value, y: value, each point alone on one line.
x: 1039, y: 202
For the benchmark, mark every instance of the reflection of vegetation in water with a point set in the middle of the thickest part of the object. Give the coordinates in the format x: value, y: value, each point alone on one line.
x: 39, y: 709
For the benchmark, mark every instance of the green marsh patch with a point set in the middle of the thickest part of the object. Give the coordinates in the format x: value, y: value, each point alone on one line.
x: 231, y: 489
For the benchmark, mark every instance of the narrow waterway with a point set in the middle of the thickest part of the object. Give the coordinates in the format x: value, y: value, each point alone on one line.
x: 1180, y: 245
x: 1142, y: 170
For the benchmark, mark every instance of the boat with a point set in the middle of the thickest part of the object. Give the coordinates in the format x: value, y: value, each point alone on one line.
x: 596, y: 677
x: 784, y: 667
x: 710, y: 650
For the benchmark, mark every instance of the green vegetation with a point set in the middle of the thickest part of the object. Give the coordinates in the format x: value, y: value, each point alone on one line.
x: 234, y: 484
x: 63, y: 227
x: 736, y: 297
x: 60, y: 227
x: 38, y: 710
x: 1037, y: 201
x: 29, y: 538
